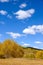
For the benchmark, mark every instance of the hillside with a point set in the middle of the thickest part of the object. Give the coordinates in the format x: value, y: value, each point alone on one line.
x: 10, y: 49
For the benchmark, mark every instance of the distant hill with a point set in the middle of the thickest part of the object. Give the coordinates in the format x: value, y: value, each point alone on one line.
x: 10, y: 49
x: 30, y: 52
x: 32, y: 48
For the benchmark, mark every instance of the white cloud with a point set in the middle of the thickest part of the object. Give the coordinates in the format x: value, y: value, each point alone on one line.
x: 9, y: 16
x: 36, y: 47
x: 21, y: 14
x: 23, y: 5
x: 14, y: 35
x: 38, y: 42
x: 2, y: 22
x: 33, y: 29
x: 2, y: 12
x: 0, y: 35
x: 4, y: 0
x: 26, y: 45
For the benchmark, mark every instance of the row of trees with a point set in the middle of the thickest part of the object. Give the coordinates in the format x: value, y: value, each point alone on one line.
x: 9, y: 49
x: 34, y: 53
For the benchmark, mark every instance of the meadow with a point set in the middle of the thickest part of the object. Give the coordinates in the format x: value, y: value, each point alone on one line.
x: 21, y: 61
x: 13, y: 54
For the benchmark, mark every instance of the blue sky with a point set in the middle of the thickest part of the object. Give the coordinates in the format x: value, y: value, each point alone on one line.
x: 22, y: 21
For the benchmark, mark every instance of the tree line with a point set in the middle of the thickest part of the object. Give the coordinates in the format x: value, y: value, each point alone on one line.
x: 10, y: 49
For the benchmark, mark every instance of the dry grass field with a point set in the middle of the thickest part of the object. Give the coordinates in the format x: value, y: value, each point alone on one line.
x: 20, y: 61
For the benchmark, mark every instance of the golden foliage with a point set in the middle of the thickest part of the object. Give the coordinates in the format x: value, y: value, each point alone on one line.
x: 9, y: 49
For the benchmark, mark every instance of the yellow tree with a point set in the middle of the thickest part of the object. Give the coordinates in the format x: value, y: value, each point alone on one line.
x: 11, y: 49
x: 39, y: 54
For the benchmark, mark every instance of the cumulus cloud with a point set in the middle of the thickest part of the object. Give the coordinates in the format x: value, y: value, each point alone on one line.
x: 2, y: 12
x: 38, y: 42
x: 4, y: 0
x: 23, y: 5
x: 21, y: 14
x: 33, y: 29
x: 14, y: 35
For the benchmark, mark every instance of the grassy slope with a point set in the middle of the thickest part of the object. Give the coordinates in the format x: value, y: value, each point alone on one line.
x: 30, y: 51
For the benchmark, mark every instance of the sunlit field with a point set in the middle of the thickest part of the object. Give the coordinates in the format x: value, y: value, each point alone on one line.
x: 21, y: 61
